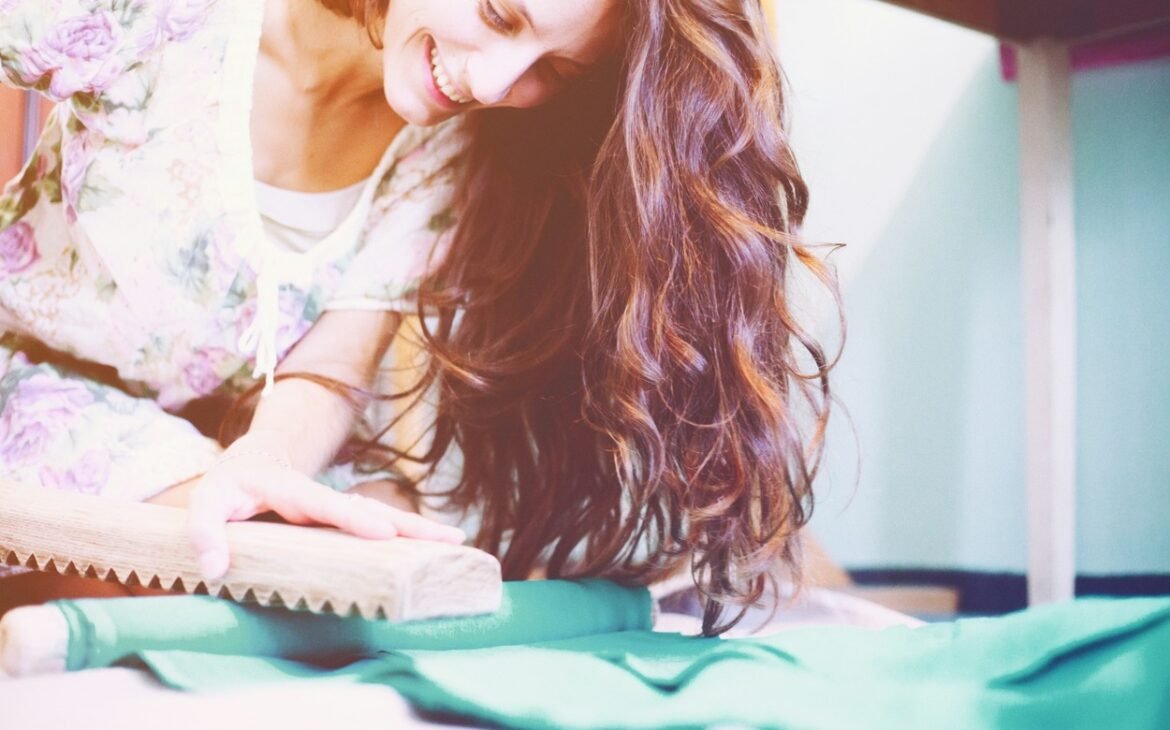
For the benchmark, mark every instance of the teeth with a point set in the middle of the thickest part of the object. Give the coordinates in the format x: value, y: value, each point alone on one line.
x: 443, y: 82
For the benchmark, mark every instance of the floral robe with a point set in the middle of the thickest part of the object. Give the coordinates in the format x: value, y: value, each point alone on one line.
x: 131, y: 245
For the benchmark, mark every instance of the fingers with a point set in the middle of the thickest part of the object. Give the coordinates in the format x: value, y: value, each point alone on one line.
x: 300, y: 499
x: 414, y: 525
x: 208, y: 511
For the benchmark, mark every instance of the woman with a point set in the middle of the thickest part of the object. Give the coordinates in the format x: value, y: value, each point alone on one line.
x: 589, y: 205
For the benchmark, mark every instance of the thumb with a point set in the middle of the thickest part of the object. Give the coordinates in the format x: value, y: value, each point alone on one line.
x: 211, y: 507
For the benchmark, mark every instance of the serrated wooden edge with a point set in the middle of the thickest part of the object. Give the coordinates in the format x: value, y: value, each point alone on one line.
x: 238, y: 592
x: 318, y: 570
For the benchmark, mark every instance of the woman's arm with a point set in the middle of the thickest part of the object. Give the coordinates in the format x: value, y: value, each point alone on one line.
x: 297, y: 429
x: 302, y: 422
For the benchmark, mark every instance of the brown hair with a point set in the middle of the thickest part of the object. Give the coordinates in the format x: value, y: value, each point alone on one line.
x: 615, y: 351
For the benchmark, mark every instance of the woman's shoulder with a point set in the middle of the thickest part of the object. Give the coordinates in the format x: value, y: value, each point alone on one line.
x: 431, y: 148
x: 420, y: 162
x: 411, y: 215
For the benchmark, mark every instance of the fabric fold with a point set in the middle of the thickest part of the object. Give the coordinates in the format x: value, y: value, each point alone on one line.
x: 106, y: 631
x: 1091, y: 663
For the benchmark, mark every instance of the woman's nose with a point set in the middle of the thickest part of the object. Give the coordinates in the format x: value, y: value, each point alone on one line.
x: 493, y: 72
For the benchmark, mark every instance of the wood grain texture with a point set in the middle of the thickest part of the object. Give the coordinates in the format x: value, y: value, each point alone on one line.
x: 305, y: 568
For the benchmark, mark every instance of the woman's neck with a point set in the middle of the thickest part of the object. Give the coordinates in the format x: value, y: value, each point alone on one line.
x: 320, y: 120
x: 325, y: 55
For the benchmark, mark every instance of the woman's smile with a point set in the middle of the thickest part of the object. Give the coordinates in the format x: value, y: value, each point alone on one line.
x: 445, y: 89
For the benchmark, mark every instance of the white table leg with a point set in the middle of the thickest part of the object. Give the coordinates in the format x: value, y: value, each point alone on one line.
x: 1049, y: 276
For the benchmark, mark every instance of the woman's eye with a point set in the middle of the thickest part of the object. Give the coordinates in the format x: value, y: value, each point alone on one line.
x: 492, y: 17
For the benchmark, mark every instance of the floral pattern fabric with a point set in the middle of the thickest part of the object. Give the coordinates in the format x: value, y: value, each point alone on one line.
x: 131, y: 239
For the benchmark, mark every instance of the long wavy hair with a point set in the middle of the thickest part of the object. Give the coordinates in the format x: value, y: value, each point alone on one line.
x: 611, y: 332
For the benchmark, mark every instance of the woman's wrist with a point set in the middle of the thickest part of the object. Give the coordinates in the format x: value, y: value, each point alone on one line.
x: 272, y: 456
x: 260, y: 444
x: 301, y: 421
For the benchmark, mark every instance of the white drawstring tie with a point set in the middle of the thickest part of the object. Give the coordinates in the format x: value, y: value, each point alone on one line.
x: 277, y: 268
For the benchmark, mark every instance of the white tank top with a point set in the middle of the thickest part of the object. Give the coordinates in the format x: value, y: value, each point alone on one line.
x: 297, y: 221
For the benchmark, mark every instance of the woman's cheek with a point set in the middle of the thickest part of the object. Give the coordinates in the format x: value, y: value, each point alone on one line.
x: 530, y: 92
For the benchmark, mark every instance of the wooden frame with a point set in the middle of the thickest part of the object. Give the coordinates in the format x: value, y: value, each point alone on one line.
x: 1026, y: 20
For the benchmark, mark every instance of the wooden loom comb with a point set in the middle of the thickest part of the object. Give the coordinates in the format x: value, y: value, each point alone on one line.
x: 308, y: 568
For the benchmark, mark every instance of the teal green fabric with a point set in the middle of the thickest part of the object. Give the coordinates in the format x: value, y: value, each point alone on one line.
x: 1087, y: 664
x: 104, y: 631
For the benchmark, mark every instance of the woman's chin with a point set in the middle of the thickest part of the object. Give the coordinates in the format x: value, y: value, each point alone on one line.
x: 414, y: 110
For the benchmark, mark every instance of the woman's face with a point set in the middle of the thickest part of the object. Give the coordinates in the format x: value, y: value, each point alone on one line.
x: 443, y: 57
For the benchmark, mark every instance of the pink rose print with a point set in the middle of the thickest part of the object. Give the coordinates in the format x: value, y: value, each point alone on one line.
x: 87, y: 476
x: 180, y: 19
x: 127, y: 126
x: 39, y: 409
x: 75, y: 160
x: 18, y: 361
x: 200, y: 372
x: 224, y: 257
x: 331, y: 277
x: 80, y: 55
x: 415, y: 154
x: 18, y: 248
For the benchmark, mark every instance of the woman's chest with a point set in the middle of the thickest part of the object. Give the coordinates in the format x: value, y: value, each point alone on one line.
x: 314, y: 139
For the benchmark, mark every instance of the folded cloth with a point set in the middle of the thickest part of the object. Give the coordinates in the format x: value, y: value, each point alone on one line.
x: 104, y: 631
x: 1085, y: 664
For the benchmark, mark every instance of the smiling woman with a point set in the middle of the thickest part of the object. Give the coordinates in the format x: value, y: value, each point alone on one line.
x: 590, y: 206
x: 487, y: 52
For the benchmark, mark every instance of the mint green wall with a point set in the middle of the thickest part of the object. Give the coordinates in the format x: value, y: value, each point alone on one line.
x: 933, y: 372
x: 1122, y: 131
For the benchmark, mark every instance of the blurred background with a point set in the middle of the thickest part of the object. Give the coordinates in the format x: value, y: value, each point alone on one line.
x: 908, y: 131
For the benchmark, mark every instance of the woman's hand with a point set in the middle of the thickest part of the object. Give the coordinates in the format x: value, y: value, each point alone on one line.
x: 248, y: 481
